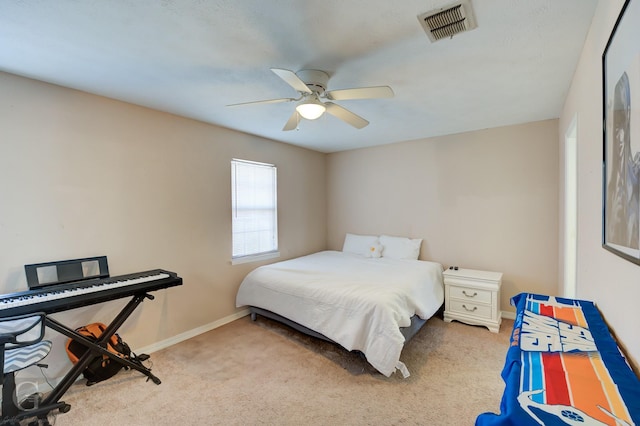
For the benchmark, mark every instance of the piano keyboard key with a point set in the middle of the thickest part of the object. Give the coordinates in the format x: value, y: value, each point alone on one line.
x: 29, y: 299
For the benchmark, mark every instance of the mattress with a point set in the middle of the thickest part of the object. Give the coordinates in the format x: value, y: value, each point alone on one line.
x: 358, y: 302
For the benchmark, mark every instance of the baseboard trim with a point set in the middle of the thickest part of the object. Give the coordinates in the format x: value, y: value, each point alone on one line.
x: 508, y: 315
x: 163, y: 344
x: 39, y: 383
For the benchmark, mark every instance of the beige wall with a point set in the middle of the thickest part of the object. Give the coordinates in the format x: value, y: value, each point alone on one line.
x: 482, y: 200
x: 612, y: 282
x: 81, y: 175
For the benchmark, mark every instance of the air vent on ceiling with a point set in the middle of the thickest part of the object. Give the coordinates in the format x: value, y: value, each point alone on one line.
x: 448, y: 21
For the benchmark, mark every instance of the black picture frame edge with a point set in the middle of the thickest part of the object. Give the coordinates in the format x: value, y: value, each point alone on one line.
x: 604, y: 140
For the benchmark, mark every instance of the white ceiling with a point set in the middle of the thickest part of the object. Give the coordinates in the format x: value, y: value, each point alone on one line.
x: 194, y: 57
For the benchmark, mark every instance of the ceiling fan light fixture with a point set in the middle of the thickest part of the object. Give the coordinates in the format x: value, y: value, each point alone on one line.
x: 311, y: 109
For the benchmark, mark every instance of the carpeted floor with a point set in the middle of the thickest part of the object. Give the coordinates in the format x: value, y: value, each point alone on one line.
x: 264, y: 373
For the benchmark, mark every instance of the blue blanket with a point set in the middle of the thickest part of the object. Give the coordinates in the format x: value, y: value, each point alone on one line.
x: 563, y: 367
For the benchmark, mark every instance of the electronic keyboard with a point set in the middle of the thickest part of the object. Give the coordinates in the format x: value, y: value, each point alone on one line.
x: 62, y: 297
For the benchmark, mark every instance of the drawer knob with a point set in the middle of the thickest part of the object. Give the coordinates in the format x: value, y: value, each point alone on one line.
x: 469, y: 310
x: 469, y: 295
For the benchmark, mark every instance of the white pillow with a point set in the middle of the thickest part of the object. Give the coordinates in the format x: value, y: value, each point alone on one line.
x: 360, y: 244
x: 400, y: 247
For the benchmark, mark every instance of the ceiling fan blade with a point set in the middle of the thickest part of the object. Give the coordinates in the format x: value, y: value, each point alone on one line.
x: 360, y: 93
x: 292, y: 123
x: 268, y: 101
x: 292, y: 80
x: 346, y: 115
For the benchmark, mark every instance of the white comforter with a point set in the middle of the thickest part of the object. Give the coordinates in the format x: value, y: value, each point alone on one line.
x: 357, y: 302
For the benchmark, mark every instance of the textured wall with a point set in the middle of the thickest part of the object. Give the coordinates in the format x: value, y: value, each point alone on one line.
x: 82, y: 175
x: 481, y: 200
x: 609, y: 280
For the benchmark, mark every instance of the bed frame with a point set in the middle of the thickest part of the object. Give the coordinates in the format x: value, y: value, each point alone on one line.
x: 407, y: 332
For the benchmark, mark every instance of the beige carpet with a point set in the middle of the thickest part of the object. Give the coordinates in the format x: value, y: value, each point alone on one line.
x: 250, y: 373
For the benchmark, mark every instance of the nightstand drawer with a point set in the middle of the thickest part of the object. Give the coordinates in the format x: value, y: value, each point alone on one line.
x: 470, y: 308
x: 470, y: 294
x: 473, y: 297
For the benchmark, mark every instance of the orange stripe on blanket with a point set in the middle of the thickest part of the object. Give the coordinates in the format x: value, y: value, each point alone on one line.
x: 569, y: 315
x: 585, y: 368
x: 619, y: 408
x: 576, y: 316
x: 581, y: 378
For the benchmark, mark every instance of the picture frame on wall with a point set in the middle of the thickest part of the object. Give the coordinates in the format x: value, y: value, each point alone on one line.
x: 621, y: 139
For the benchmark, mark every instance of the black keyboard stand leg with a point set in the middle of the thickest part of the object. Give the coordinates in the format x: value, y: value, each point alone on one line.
x: 96, y: 348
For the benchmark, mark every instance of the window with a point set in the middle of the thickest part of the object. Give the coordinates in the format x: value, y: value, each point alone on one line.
x: 254, y: 211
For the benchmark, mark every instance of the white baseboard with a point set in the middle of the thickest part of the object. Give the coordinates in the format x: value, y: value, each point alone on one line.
x: 508, y: 315
x: 219, y: 323
x: 191, y: 333
x: 34, y: 382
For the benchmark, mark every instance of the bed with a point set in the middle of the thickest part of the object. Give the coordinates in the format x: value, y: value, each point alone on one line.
x: 564, y: 367
x: 363, y: 303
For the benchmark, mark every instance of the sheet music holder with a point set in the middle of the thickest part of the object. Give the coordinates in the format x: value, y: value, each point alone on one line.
x: 40, y: 275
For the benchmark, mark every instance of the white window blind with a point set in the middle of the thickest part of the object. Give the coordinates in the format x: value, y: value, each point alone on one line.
x: 254, y: 210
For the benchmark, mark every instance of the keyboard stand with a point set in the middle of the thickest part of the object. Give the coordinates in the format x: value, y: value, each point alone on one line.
x: 96, y: 348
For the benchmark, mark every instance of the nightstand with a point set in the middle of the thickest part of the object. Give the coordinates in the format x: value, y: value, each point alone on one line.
x: 473, y: 297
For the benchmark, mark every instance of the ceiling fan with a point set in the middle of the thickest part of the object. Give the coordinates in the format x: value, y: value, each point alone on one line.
x: 314, y: 99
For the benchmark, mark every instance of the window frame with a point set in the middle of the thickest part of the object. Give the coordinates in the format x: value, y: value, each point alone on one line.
x: 259, y: 255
